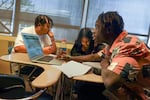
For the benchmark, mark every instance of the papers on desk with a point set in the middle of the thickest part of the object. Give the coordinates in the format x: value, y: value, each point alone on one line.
x: 73, y: 68
x: 93, y: 64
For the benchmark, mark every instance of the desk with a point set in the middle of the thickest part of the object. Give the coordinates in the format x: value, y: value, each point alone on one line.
x: 48, y: 77
x: 90, y: 77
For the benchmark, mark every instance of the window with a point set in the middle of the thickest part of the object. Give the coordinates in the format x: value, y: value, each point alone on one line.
x: 66, y: 15
x: 135, y: 14
x: 6, y: 9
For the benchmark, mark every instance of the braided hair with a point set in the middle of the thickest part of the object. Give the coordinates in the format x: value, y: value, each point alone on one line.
x: 43, y: 19
x: 111, y: 24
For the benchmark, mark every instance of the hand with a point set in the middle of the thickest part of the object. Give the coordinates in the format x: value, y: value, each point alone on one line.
x: 60, y: 54
x: 47, y: 50
x: 63, y: 56
x: 66, y: 57
x: 50, y: 34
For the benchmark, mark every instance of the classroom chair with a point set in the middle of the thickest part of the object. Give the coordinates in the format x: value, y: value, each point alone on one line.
x: 13, y: 87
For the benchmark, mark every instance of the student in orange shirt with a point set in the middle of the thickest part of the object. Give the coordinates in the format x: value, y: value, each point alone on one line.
x: 124, y: 61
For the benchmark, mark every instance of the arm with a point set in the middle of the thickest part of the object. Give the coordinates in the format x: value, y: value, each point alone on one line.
x: 19, y: 44
x: 111, y: 80
x: 20, y: 49
x: 97, y: 57
x: 86, y: 58
x: 52, y: 48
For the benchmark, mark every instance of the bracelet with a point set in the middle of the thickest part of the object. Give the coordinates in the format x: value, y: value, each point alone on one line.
x: 101, y: 54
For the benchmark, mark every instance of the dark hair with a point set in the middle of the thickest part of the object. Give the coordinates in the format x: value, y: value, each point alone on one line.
x: 111, y: 23
x: 42, y: 19
x: 84, y: 32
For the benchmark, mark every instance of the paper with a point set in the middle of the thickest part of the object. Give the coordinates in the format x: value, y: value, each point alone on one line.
x: 73, y: 68
x: 93, y: 64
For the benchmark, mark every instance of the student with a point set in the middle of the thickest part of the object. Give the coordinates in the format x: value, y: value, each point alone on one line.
x: 78, y: 55
x: 125, y: 61
x: 84, y: 45
x: 42, y: 28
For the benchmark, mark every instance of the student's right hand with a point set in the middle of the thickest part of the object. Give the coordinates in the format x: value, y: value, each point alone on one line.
x: 63, y: 56
x: 60, y: 54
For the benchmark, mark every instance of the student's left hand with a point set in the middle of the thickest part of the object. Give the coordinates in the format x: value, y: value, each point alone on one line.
x: 51, y: 35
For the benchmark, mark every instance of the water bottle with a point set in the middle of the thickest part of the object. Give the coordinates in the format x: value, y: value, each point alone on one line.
x: 63, y: 46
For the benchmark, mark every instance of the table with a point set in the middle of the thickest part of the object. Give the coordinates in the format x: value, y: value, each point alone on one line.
x: 90, y: 77
x: 48, y: 77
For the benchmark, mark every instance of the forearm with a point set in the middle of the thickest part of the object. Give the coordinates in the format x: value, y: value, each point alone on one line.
x: 86, y: 58
x: 20, y: 49
x: 52, y: 48
x: 111, y: 80
x: 75, y: 53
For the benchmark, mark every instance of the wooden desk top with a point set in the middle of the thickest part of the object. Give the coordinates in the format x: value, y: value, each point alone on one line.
x: 49, y: 77
x: 90, y: 77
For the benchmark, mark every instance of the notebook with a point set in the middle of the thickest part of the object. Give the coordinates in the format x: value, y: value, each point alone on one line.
x: 35, y: 52
x: 73, y: 68
x: 93, y: 64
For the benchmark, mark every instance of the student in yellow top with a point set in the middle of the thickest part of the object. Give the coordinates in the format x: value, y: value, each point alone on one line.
x: 42, y: 27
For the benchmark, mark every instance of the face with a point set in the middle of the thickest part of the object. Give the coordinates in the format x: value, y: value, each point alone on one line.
x: 44, y: 29
x: 98, y: 36
x: 85, y: 42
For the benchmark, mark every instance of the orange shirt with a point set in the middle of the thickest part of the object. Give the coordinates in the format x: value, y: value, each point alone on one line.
x: 128, y: 54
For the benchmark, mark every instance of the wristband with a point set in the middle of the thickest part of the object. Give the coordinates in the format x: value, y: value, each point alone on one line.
x: 101, y: 54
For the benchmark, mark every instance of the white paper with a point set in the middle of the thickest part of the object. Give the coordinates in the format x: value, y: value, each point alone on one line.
x: 73, y: 68
x: 93, y: 64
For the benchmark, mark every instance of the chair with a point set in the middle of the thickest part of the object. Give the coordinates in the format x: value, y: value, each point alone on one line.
x: 13, y: 87
x: 26, y: 70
